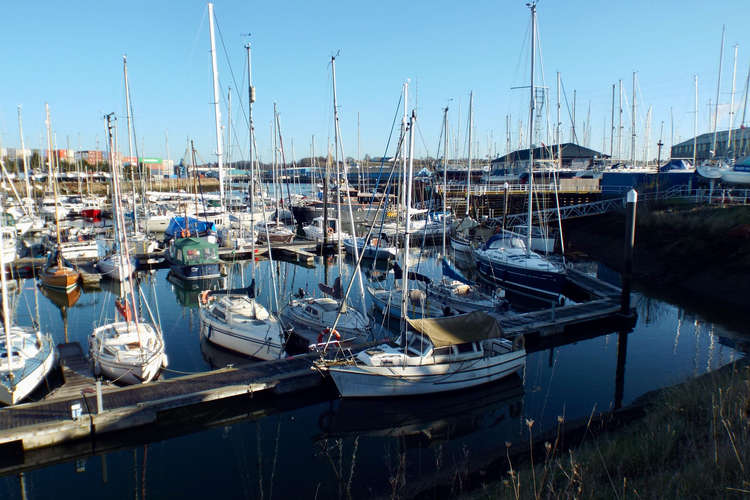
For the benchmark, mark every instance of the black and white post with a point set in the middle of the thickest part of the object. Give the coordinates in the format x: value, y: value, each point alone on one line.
x: 627, y: 275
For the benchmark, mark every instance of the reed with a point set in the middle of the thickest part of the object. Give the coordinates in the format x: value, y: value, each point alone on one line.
x: 693, y: 442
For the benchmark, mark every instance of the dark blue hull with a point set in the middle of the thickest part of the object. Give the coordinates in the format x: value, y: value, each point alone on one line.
x: 196, y: 271
x: 543, y: 283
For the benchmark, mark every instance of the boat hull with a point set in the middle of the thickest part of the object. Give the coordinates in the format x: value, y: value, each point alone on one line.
x: 257, y: 341
x: 534, y: 281
x: 196, y: 271
x: 376, y: 381
x: 28, y: 379
x: 65, y: 279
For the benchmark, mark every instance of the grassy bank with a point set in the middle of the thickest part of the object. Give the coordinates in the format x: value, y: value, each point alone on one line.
x: 693, y: 442
x: 703, y: 251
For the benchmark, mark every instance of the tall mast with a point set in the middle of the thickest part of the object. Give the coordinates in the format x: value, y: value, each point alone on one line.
x: 695, y: 122
x: 532, y: 6
x: 731, y: 102
x: 557, y: 128
x: 632, y: 126
x: 53, y: 182
x: 23, y: 152
x: 744, y: 106
x: 405, y: 278
x: 612, y: 126
x: 718, y: 87
x: 250, y: 101
x: 619, y: 124
x: 130, y: 142
x: 6, y: 315
x: 339, y: 145
x: 445, y: 171
x: 217, y: 111
x: 468, y: 171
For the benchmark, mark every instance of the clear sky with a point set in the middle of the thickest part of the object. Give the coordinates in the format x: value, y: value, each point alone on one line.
x: 69, y: 54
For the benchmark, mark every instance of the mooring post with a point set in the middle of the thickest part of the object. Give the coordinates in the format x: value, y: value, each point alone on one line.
x: 627, y: 274
x: 99, y: 401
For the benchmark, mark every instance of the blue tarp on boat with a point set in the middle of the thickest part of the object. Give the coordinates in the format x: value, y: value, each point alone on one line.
x: 177, y: 225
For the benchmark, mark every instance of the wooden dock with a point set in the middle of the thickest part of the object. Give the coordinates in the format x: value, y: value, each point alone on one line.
x: 54, y: 420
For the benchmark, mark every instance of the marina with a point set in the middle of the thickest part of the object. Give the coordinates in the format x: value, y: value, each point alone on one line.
x: 447, y: 305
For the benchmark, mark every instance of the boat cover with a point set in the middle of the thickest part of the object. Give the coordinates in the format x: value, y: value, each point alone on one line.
x: 472, y: 327
x: 177, y: 224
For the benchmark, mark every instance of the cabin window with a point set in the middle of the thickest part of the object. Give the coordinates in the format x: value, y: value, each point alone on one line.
x: 442, y: 351
x: 220, y: 314
x: 465, y: 347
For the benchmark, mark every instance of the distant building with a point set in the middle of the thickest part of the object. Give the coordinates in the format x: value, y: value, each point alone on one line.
x: 573, y: 156
x: 740, y: 145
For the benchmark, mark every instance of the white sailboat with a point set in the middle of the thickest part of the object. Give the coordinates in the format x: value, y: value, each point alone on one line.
x: 233, y: 319
x: 26, y: 355
x: 129, y: 351
x: 114, y: 265
x: 439, y: 355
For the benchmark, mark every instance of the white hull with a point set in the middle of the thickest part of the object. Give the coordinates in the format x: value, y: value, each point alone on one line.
x: 243, y: 326
x: 110, y: 268
x: 118, y: 352
x: 158, y: 223
x: 259, y: 341
x: 351, y: 324
x: 735, y: 177
x: 32, y: 369
x: 379, y: 381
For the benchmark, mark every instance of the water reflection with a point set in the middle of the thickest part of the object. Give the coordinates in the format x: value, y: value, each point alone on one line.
x: 426, y: 419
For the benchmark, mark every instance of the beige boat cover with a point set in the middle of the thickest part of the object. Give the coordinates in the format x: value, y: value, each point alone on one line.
x: 452, y: 330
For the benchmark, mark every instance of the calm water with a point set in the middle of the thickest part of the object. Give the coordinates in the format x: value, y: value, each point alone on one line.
x: 315, y: 445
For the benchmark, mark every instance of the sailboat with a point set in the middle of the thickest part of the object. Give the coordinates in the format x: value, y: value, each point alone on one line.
x: 57, y: 273
x: 233, y: 319
x: 330, y: 315
x: 436, y: 355
x: 114, y: 265
x: 26, y: 355
x: 129, y: 351
x: 507, y: 260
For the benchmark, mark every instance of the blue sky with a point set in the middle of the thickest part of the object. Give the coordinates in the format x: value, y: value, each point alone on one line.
x: 70, y: 55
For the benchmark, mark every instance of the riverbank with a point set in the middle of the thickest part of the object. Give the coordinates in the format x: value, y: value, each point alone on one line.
x: 702, y: 252
x: 692, y: 441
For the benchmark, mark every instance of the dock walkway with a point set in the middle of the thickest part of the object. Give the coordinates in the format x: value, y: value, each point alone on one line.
x: 50, y: 421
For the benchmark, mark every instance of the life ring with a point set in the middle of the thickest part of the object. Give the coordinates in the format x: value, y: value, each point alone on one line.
x: 204, y: 296
x: 519, y: 343
x: 328, y: 332
x: 330, y: 230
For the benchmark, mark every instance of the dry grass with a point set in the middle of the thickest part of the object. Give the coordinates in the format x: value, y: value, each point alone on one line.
x: 693, y: 443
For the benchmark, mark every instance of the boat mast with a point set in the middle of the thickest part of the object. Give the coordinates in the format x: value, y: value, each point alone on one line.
x: 718, y: 87
x: 619, y: 124
x: 445, y: 171
x: 695, y: 122
x: 338, y: 144
x: 557, y: 128
x: 407, y: 199
x: 53, y: 182
x: 612, y: 126
x: 468, y: 171
x: 130, y: 142
x: 731, y: 101
x: 217, y: 111
x: 532, y: 6
x: 25, y: 166
x: 250, y: 101
x: 632, y: 126
x: 6, y: 314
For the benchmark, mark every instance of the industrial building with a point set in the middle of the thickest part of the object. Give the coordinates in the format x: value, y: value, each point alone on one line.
x: 739, y: 145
